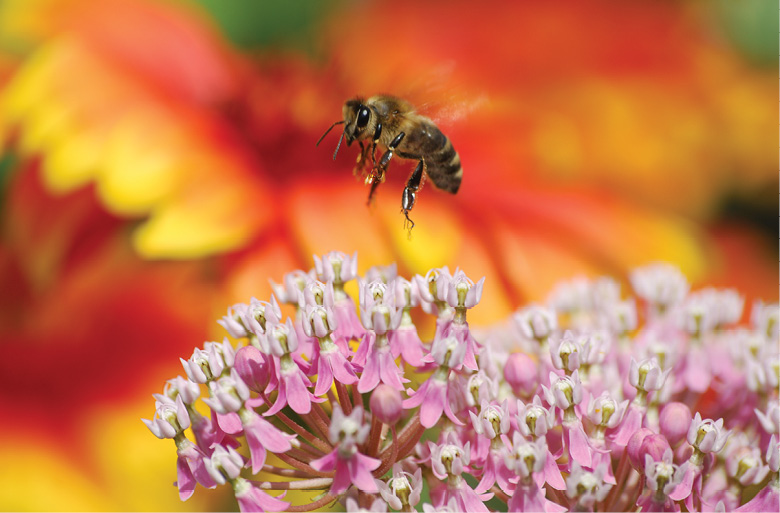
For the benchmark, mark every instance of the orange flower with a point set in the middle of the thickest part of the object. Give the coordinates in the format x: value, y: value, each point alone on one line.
x: 591, y: 143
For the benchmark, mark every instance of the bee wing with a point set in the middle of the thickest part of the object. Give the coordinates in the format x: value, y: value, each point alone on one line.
x: 437, y: 96
x: 452, y: 110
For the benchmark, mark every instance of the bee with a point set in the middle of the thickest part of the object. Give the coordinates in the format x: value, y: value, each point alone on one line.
x: 395, y: 125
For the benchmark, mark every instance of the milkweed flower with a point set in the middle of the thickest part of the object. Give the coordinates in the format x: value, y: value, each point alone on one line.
x: 527, y: 460
x: 536, y: 322
x: 405, y: 341
x: 448, y: 460
x: 292, y: 383
x: 587, y: 487
x: 662, y: 477
x: 468, y: 438
x: 380, y: 317
x: 402, y: 491
x: 435, y: 395
x: 349, y: 465
x: 768, y: 499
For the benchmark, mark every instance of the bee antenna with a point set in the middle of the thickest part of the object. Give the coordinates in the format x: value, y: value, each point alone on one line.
x: 328, y: 131
x: 339, y: 144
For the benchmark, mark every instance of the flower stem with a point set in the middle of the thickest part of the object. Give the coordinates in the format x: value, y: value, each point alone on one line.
x: 319, y: 443
x: 500, y: 494
x: 314, y: 505
x: 387, y: 462
x: 279, y: 471
x: 318, y: 483
x: 372, y: 448
x: 305, y: 467
x: 320, y: 412
x: 633, y: 497
x: 346, y: 404
x: 557, y: 496
x: 357, y: 399
x: 316, y: 421
x: 300, y: 455
x: 620, y: 481
x: 408, y: 438
x: 311, y: 451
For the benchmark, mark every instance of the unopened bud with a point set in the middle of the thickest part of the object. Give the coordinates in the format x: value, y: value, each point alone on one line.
x: 674, y: 422
x: 385, y: 403
x: 634, y: 445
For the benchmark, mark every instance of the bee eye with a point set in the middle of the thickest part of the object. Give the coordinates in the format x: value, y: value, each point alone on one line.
x: 362, y: 118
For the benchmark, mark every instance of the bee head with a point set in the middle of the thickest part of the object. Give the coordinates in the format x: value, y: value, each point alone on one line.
x: 357, y: 118
x: 357, y: 122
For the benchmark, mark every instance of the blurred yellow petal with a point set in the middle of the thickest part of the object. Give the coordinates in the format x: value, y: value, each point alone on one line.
x: 73, y: 159
x: 436, y: 237
x: 137, y: 173
x: 28, y: 87
x: 38, y: 476
x: 150, y: 467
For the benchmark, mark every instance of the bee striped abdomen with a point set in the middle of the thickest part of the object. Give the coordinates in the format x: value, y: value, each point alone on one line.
x: 444, y: 168
x: 442, y: 162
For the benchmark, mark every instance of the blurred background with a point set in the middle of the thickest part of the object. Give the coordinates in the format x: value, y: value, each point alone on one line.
x: 159, y: 164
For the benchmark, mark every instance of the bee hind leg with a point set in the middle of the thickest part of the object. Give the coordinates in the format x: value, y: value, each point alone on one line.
x: 374, y: 184
x: 381, y: 167
x: 409, y: 195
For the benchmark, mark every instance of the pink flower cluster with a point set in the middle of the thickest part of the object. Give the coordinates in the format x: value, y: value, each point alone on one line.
x: 592, y: 401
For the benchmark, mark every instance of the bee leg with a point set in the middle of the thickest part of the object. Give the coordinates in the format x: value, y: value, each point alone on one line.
x: 374, y: 184
x: 385, y: 160
x: 374, y: 142
x: 410, y: 193
x: 362, y: 159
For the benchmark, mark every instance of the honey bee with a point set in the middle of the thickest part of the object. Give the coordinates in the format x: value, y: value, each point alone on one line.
x: 393, y: 123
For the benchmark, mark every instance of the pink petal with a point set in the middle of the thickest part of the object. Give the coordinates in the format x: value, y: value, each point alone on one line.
x: 326, y: 463
x: 388, y: 370
x: 449, y: 412
x: 230, y: 423
x: 416, y: 399
x: 432, y: 404
x: 579, y: 448
x: 488, y: 477
x: 258, y: 500
x: 185, y: 481
x: 342, y: 369
x: 767, y: 499
x: 370, y: 377
x: 683, y: 489
x: 469, y: 499
x: 552, y: 474
x: 360, y: 467
x: 341, y: 480
x: 272, y: 438
x: 324, y: 376
x: 256, y: 451
x: 298, y: 396
x: 406, y: 342
x: 281, y: 402
x: 631, y: 423
x: 364, y: 348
